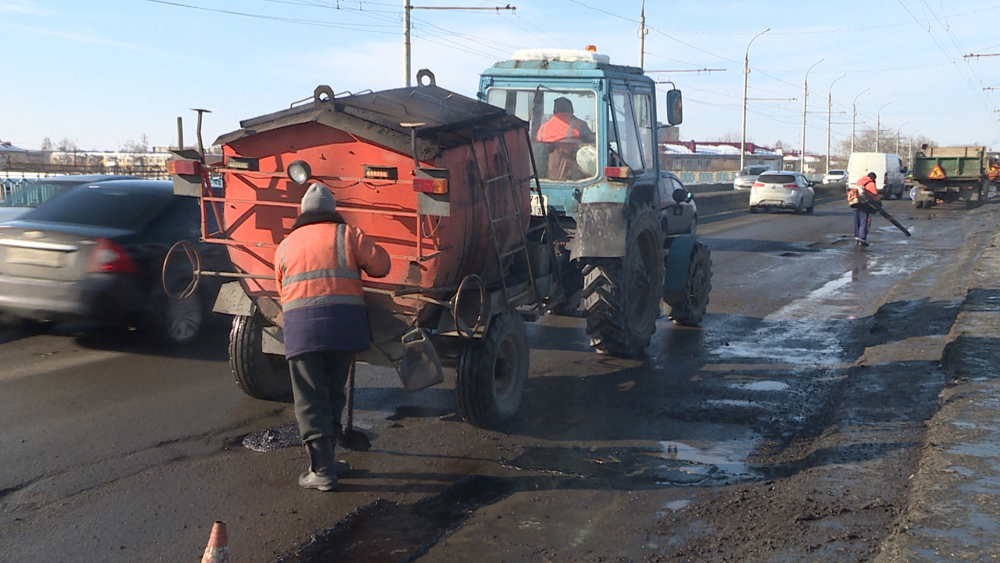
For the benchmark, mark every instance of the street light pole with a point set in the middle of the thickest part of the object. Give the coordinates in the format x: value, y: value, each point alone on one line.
x: 854, y: 116
x: 829, y: 110
x: 909, y: 162
x: 878, y: 125
x: 746, y: 71
x: 898, y: 131
x: 805, y: 100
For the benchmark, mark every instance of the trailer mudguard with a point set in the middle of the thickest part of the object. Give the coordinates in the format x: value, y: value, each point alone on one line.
x: 600, y: 231
x: 678, y: 263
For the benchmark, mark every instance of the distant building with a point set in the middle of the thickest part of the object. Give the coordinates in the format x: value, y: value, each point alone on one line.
x: 712, y: 156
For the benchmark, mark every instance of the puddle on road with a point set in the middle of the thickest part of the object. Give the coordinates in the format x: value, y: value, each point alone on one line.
x: 761, y: 386
x: 386, y: 531
x: 275, y: 438
x: 677, y: 463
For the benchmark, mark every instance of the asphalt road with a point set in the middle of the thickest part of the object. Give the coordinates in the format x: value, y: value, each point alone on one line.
x: 785, y: 427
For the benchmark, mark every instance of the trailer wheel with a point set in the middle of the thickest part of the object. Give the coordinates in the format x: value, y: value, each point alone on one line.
x: 621, y: 296
x: 698, y: 286
x: 259, y: 375
x: 492, y: 372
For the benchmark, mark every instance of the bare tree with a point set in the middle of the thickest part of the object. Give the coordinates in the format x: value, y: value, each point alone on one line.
x: 47, y: 145
x: 140, y: 146
x: 67, y: 145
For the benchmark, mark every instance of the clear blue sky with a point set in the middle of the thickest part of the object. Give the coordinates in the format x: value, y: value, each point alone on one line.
x: 103, y: 72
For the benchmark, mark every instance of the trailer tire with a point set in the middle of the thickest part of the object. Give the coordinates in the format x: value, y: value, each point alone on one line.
x: 492, y: 372
x: 698, y: 287
x: 621, y: 296
x: 259, y: 375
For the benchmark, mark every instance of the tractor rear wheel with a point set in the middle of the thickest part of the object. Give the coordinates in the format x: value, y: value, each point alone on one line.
x: 260, y: 375
x: 621, y: 296
x: 698, y: 285
x: 492, y: 371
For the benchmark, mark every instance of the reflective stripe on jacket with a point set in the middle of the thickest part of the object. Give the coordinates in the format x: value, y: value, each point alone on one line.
x: 559, y: 127
x: 318, y: 269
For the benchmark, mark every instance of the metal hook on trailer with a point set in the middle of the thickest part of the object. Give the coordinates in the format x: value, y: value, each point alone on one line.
x: 194, y: 258
x: 459, y: 305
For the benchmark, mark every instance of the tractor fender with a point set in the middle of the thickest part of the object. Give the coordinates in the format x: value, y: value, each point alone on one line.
x: 677, y: 265
x: 601, y: 230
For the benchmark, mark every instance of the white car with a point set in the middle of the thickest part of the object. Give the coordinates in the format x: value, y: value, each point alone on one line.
x: 782, y: 190
x: 745, y: 179
x: 835, y: 177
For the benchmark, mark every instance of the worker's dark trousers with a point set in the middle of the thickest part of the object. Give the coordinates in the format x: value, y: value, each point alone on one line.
x: 862, y: 220
x: 318, y: 380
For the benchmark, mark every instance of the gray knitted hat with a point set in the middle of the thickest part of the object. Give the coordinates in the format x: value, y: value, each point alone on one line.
x: 318, y: 198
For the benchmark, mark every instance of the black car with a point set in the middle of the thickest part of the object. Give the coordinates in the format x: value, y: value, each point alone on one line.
x: 96, y: 253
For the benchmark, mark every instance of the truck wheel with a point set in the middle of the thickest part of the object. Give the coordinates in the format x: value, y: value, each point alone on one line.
x: 698, y: 286
x: 621, y: 296
x: 260, y: 375
x: 919, y: 204
x: 492, y: 371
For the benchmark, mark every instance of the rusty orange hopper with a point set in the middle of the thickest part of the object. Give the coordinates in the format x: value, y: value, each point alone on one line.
x: 444, y: 183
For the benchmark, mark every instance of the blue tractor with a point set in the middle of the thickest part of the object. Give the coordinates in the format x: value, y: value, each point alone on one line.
x: 593, y: 128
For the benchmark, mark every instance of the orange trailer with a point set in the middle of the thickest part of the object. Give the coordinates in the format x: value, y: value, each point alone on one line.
x: 443, y: 182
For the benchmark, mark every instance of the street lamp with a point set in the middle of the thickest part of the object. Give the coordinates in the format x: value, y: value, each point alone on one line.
x: 805, y: 99
x: 746, y: 71
x: 829, y: 109
x: 897, y: 136
x: 854, y: 116
x: 878, y: 125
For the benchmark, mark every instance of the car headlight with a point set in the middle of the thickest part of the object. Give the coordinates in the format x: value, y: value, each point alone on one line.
x: 299, y: 172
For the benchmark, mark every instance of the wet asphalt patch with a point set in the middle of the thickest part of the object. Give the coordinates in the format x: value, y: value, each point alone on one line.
x: 389, y: 532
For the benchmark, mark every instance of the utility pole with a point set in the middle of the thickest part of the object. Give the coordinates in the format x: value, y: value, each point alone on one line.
x: 909, y: 163
x: 878, y: 125
x: 407, y: 8
x: 746, y: 71
x: 829, y: 111
x: 898, y: 131
x: 854, y: 116
x: 805, y: 100
x: 642, y: 35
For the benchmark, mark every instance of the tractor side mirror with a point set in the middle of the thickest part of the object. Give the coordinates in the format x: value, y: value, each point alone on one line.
x: 675, y: 107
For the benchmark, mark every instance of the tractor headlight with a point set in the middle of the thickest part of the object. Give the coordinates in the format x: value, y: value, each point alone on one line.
x: 299, y: 172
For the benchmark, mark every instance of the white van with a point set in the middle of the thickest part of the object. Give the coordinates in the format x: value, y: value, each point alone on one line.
x: 887, y: 167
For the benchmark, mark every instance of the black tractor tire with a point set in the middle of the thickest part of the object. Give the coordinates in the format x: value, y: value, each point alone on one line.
x: 259, y: 375
x: 492, y: 372
x: 621, y: 296
x: 698, y: 287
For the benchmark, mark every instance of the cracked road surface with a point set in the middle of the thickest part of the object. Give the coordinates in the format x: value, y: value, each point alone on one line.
x: 786, y: 427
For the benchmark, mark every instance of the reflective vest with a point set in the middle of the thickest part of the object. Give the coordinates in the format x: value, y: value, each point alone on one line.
x: 318, y: 269
x: 560, y: 127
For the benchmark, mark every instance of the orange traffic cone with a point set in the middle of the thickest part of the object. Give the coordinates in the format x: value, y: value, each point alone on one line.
x: 217, y: 550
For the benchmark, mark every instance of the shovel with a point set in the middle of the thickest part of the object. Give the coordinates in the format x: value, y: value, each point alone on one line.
x: 350, y: 438
x: 877, y: 208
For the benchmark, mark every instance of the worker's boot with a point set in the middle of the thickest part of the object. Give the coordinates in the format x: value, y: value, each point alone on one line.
x: 322, y: 474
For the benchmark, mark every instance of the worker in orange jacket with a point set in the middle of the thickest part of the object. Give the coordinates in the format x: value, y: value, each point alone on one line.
x: 565, y: 131
x: 863, y: 192
x: 318, y: 268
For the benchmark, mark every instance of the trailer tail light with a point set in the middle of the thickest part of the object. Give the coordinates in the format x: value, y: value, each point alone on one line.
x: 183, y: 167
x: 109, y: 258
x: 381, y: 172
x: 437, y: 186
x: 617, y: 172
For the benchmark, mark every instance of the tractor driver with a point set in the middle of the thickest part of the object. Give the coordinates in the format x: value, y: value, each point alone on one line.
x: 564, y: 134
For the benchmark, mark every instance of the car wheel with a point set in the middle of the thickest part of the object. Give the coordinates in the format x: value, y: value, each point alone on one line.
x: 812, y: 206
x: 694, y: 225
x: 175, y: 322
x: 753, y: 209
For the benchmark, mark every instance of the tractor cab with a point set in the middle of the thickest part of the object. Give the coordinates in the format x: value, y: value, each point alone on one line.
x: 593, y: 125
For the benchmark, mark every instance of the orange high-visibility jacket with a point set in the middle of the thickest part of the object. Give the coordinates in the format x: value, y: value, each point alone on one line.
x: 560, y: 127
x: 866, y: 184
x: 318, y: 268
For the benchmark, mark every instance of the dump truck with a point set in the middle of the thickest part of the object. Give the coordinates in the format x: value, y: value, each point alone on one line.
x: 950, y: 174
x: 603, y: 192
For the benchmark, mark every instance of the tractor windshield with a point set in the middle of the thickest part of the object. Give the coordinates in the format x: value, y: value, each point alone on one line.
x: 562, y: 125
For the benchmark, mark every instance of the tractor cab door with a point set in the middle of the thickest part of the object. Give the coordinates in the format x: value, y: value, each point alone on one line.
x: 631, y: 136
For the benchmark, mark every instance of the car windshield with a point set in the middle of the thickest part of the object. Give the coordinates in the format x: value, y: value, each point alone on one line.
x: 776, y: 179
x: 118, y: 207
x: 34, y: 193
x: 836, y: 172
x: 563, y: 125
x: 753, y: 170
